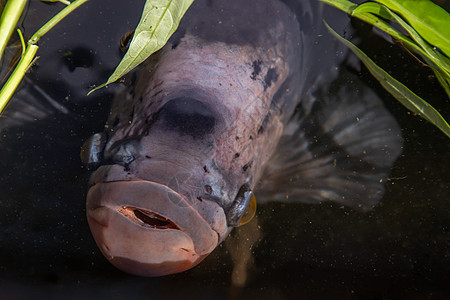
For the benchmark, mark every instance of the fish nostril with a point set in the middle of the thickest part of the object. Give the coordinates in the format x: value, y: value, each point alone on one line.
x: 123, y: 152
x: 92, y: 150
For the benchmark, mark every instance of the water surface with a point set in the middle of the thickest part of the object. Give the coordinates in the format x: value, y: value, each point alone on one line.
x: 398, y: 250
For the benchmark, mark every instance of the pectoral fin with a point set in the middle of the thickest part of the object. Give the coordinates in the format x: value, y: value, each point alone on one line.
x: 341, y: 150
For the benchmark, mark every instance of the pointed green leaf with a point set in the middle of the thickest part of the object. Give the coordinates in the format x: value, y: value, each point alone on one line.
x: 370, y: 12
x: 421, y: 47
x: 373, y: 8
x: 434, y: 56
x: 398, y: 90
x: 431, y: 21
x: 159, y: 21
x: 343, y: 5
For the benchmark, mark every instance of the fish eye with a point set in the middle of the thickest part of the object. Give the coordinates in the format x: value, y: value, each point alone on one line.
x: 249, y: 212
x: 243, y: 208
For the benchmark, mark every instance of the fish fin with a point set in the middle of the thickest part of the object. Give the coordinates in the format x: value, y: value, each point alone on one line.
x: 30, y: 103
x: 339, y: 149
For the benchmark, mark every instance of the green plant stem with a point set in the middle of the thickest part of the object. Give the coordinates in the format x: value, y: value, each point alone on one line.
x: 55, y: 20
x: 29, y: 54
x: 8, y: 21
x: 17, y: 76
x: 66, y: 2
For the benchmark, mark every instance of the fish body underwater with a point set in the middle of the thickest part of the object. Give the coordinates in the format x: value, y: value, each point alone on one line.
x: 234, y: 105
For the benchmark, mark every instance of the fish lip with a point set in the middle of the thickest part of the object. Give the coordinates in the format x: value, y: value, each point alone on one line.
x: 126, y: 208
x: 178, y: 255
x: 128, y: 211
x: 181, y: 241
x: 97, y: 206
x: 137, y: 215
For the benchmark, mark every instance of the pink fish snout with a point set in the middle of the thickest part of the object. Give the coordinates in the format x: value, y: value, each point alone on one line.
x: 147, y: 229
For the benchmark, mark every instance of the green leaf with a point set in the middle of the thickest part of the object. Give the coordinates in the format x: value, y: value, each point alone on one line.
x: 159, y: 21
x: 434, y: 56
x: 373, y: 8
x: 368, y: 12
x: 410, y: 100
x: 431, y: 21
x: 344, y: 5
x: 439, y: 63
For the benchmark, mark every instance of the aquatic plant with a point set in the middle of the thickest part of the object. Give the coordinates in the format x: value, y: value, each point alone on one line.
x: 160, y: 19
x: 10, y: 15
x: 426, y: 35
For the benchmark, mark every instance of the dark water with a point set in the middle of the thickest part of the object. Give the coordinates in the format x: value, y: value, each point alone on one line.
x: 400, y: 250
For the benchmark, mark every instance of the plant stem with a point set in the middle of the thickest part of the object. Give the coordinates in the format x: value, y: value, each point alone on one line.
x: 55, y: 20
x: 16, y: 77
x: 8, y: 21
x: 30, y: 52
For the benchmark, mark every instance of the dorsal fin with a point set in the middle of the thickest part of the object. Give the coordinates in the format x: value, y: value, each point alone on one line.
x: 341, y: 150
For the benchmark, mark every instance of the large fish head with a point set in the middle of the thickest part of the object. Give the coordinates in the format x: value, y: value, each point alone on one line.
x: 186, y: 145
x: 162, y: 205
x: 172, y: 185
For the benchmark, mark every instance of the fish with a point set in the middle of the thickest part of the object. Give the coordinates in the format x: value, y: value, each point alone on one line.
x: 243, y: 102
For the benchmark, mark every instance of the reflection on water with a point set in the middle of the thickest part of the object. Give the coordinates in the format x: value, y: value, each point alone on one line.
x: 398, y: 250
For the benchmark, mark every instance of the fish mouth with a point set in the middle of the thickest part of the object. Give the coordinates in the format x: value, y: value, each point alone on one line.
x: 147, y: 218
x: 147, y: 229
